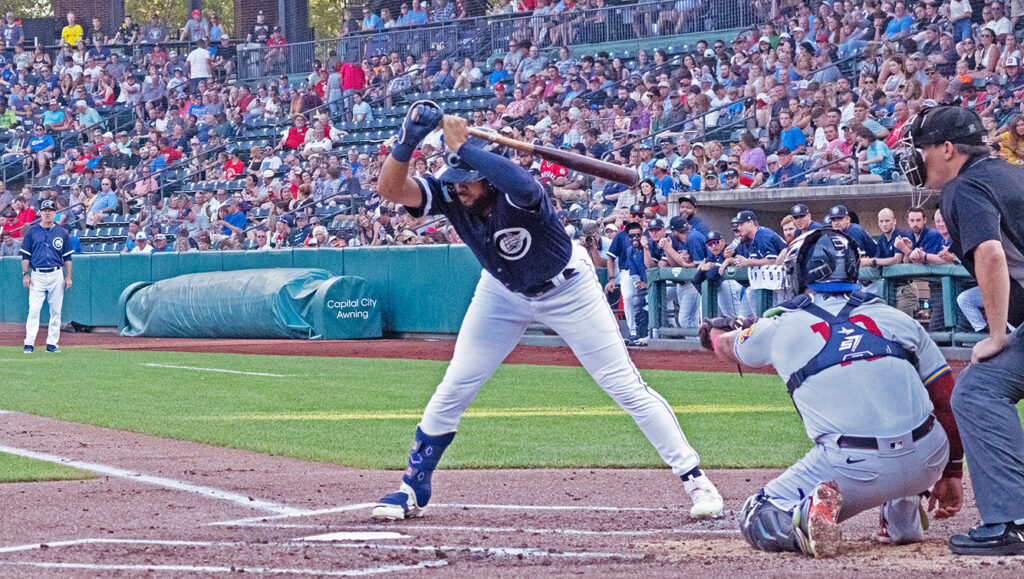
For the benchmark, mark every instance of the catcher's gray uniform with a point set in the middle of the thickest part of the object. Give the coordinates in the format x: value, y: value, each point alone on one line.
x: 847, y: 407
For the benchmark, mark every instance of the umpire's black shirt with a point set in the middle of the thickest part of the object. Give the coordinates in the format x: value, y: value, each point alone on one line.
x: 986, y: 201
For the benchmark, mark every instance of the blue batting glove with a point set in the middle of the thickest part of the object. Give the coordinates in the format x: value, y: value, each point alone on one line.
x: 422, y: 118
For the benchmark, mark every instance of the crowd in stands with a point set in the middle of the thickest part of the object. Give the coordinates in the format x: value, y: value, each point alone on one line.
x: 140, y: 140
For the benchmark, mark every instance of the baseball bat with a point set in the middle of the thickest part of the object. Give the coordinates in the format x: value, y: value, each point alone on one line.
x: 574, y: 161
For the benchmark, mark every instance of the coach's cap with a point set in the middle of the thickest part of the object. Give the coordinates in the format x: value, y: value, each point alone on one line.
x: 713, y: 236
x: 656, y: 224
x: 679, y: 224
x: 636, y: 209
x: 745, y: 216
x: 799, y: 210
x: 46, y: 205
x: 141, y: 236
x: 837, y: 212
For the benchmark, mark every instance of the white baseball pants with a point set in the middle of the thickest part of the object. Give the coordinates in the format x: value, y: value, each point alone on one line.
x: 48, y: 286
x: 688, y: 298
x: 730, y: 294
x: 578, y: 311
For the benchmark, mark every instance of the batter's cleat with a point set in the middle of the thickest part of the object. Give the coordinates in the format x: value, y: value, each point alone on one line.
x: 29, y: 349
x: 706, y: 500
x: 51, y: 349
x: 399, y: 505
x: 994, y: 539
x: 817, y: 532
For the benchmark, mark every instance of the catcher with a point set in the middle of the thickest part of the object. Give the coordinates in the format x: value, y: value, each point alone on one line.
x: 870, y: 386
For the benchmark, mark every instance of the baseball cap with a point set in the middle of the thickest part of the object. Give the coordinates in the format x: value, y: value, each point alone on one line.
x: 268, y: 173
x: 687, y: 164
x: 645, y: 145
x: 764, y: 39
x: 662, y: 164
x: 713, y: 236
x: 955, y: 124
x: 745, y: 216
x: 688, y: 199
x: 196, y: 13
x: 160, y: 237
x: 611, y: 227
x: 636, y: 209
x: 679, y: 224
x: 46, y: 205
x: 783, y: 151
x: 838, y: 212
x: 730, y: 173
x: 697, y: 144
x: 141, y: 235
x: 735, y: 223
x: 1013, y: 61
x: 289, y: 219
x: 656, y: 224
x: 799, y: 210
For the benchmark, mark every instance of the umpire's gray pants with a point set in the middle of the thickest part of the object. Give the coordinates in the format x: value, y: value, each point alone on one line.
x: 869, y: 478
x: 984, y: 403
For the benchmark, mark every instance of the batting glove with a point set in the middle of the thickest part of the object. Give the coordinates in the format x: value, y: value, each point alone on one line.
x: 422, y: 118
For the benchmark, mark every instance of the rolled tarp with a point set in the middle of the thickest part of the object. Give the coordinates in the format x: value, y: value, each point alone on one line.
x: 306, y: 304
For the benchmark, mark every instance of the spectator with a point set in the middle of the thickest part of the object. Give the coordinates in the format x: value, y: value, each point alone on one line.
x: 103, y: 204
x: 11, y: 33
x: 196, y: 28
x: 40, y: 150
x: 142, y: 243
x: 72, y: 32
x: 155, y: 32
x: 8, y: 245
x: 875, y: 158
x: 199, y: 63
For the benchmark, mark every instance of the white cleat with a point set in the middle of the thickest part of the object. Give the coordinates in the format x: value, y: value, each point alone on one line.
x: 399, y: 506
x: 706, y: 500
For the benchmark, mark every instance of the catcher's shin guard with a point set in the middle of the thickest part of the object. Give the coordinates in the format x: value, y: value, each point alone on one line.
x: 411, y: 499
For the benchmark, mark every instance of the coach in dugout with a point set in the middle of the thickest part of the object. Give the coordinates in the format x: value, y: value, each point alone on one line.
x: 983, y: 206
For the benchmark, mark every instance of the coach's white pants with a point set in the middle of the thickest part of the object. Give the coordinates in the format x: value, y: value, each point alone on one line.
x: 627, y: 288
x: 578, y: 311
x: 49, y: 286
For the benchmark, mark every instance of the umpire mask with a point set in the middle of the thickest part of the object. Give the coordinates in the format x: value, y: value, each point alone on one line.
x: 934, y: 126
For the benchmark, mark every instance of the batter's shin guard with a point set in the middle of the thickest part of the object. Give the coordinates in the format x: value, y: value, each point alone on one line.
x: 423, y: 458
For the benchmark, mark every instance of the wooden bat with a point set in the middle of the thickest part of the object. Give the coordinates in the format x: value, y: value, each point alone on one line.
x: 573, y: 161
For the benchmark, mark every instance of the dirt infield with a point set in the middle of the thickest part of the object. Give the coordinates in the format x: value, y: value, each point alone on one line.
x: 202, y: 510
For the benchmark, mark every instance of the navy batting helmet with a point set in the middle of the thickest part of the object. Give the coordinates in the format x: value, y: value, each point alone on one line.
x: 459, y: 171
x: 824, y: 260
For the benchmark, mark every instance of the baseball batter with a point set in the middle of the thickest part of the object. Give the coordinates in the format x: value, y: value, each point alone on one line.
x: 870, y: 386
x: 46, y: 251
x: 531, y: 272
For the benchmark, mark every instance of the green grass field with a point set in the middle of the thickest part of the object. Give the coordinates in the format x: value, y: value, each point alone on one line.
x: 17, y: 469
x: 362, y: 412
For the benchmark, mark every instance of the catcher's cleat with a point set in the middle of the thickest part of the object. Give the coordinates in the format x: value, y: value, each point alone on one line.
x: 885, y: 538
x: 399, y: 505
x: 817, y: 531
x: 706, y: 500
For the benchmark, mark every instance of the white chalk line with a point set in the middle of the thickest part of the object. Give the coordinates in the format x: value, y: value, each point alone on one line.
x: 361, y: 506
x: 205, y: 491
x: 210, y: 569
x: 496, y: 551
x: 560, y: 531
x: 222, y: 370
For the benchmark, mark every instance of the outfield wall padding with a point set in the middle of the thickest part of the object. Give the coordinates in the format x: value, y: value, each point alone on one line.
x: 252, y: 303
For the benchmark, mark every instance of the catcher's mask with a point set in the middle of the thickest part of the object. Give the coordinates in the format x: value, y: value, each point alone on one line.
x: 824, y: 260
x: 934, y: 126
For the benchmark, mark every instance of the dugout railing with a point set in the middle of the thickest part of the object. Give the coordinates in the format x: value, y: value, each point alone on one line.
x: 951, y: 280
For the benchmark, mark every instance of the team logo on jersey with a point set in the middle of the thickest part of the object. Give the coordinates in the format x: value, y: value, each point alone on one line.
x: 58, y: 243
x: 513, y: 243
x: 745, y: 335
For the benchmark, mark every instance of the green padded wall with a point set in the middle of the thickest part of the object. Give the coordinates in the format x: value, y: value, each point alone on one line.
x: 420, y: 304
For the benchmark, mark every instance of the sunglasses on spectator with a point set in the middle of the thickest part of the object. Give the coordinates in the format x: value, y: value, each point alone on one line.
x: 634, y: 235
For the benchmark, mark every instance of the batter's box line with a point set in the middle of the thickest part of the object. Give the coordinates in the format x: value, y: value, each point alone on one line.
x: 304, y: 541
x: 531, y: 531
x: 361, y: 506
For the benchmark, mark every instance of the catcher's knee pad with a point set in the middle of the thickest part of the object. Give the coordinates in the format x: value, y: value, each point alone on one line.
x: 423, y: 458
x: 767, y: 527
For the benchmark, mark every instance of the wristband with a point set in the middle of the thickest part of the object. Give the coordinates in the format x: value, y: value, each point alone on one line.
x: 402, y: 152
x: 954, y: 469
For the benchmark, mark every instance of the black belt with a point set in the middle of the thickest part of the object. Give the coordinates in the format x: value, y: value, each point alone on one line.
x: 540, y: 289
x: 870, y: 443
x: 45, y: 269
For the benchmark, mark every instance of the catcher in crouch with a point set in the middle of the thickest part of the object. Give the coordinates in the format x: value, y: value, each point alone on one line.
x: 873, y: 391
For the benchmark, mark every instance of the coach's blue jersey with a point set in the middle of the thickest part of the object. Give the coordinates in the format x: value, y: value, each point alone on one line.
x: 521, y: 247
x: 46, y: 247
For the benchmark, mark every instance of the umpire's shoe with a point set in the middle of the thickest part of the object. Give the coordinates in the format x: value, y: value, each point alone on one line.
x: 995, y: 539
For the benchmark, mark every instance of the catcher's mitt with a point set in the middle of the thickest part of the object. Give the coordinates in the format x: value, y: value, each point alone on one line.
x: 725, y: 324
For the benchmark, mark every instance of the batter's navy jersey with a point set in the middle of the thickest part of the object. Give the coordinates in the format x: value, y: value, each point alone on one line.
x: 521, y: 247
x: 766, y: 245
x: 45, y: 248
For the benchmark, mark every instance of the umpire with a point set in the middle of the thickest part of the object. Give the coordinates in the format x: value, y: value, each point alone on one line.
x: 983, y: 205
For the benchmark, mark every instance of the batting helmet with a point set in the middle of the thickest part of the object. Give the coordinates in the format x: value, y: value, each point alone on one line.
x: 459, y: 171
x: 824, y: 260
